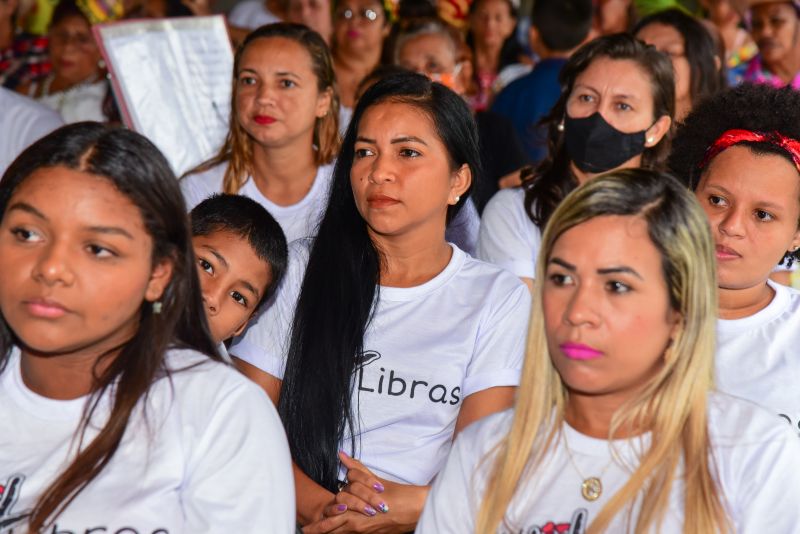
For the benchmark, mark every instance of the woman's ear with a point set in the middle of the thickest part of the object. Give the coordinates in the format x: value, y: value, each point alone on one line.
x: 324, y: 102
x: 159, y: 280
x: 657, y: 131
x: 460, y: 182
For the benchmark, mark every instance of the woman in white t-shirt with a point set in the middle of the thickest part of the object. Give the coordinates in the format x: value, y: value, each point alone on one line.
x: 385, y: 340
x: 740, y: 153
x: 616, y: 427
x: 284, y: 129
x: 615, y: 112
x: 116, y: 413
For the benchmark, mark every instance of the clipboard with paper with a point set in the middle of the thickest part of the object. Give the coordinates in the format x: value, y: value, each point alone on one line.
x: 172, y: 80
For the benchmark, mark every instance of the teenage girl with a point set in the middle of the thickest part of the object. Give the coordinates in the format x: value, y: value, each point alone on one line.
x: 116, y: 413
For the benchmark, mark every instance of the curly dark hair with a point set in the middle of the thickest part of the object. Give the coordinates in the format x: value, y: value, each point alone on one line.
x: 758, y: 108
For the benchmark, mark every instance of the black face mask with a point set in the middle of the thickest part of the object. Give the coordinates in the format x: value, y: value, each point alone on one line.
x: 595, y: 146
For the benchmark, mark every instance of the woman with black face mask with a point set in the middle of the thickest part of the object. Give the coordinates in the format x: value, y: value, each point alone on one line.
x: 615, y: 111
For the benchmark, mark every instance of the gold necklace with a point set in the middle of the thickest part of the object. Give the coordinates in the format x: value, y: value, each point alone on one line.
x: 591, y: 487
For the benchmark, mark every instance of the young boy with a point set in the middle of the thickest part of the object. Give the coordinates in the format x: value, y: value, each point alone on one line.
x: 241, y: 257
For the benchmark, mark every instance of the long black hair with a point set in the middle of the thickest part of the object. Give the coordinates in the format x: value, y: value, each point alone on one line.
x: 551, y: 181
x: 340, y: 288
x: 140, y: 172
x: 707, y: 68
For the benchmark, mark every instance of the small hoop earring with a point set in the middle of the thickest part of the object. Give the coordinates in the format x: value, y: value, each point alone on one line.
x: 157, y: 307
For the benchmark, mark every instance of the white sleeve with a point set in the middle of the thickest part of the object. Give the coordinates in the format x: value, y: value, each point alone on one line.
x: 451, y: 506
x: 239, y: 474
x: 507, y: 237
x: 765, y: 486
x: 500, y: 348
x: 266, y: 341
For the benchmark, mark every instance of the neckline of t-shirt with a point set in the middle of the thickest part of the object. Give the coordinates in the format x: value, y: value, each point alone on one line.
x: 411, y: 293
x: 774, y: 309
x: 598, y: 447
x: 31, y: 402
x: 251, y: 190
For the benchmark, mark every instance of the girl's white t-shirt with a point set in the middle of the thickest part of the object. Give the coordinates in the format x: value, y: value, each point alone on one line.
x: 205, y: 453
x: 757, y: 456
x: 508, y: 238
x: 426, y: 349
x: 758, y: 357
x: 298, y: 220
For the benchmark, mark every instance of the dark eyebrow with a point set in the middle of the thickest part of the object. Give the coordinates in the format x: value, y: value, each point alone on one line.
x: 220, y: 257
x: 27, y: 208
x: 609, y: 270
x: 621, y: 269
x: 113, y: 230
x: 564, y: 264
x: 408, y: 138
x: 763, y: 203
x: 365, y: 140
x: 248, y: 286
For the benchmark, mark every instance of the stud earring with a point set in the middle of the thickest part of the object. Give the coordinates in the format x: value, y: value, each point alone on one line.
x: 560, y: 126
x: 157, y: 306
x: 650, y: 140
x: 458, y: 197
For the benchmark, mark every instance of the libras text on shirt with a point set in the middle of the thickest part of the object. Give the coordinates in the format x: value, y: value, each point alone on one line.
x: 394, y: 385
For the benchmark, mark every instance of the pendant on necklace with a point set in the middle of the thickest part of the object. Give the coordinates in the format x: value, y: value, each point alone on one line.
x: 591, y: 489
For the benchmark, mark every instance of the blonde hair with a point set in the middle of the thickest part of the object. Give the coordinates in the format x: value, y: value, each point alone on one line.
x: 237, y: 151
x: 672, y: 406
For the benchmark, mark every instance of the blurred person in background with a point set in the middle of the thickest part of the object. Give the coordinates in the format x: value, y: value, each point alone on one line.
x: 727, y: 16
x: 497, y: 57
x: 558, y: 27
x: 699, y: 72
x: 775, y: 27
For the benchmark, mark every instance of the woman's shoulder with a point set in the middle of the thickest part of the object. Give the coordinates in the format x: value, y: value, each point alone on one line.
x: 196, y: 380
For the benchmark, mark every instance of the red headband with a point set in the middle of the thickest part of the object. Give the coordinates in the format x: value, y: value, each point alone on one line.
x: 733, y: 137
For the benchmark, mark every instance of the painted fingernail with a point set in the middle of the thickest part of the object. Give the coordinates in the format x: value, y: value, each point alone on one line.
x: 341, y: 507
x: 370, y: 510
x: 378, y: 487
x: 383, y: 507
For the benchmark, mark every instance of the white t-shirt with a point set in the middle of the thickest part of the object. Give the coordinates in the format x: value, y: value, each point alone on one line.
x: 251, y: 14
x: 211, y: 456
x: 758, y: 458
x: 508, y: 238
x: 22, y: 122
x: 427, y: 348
x: 83, y: 102
x: 758, y: 357
x: 298, y: 220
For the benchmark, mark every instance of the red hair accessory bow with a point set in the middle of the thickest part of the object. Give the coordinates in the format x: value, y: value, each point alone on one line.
x: 734, y: 137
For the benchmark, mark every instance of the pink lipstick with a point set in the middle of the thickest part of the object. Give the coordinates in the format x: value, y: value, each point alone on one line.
x: 577, y: 351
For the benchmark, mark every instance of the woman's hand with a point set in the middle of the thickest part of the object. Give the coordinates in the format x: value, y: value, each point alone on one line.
x: 368, y: 503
